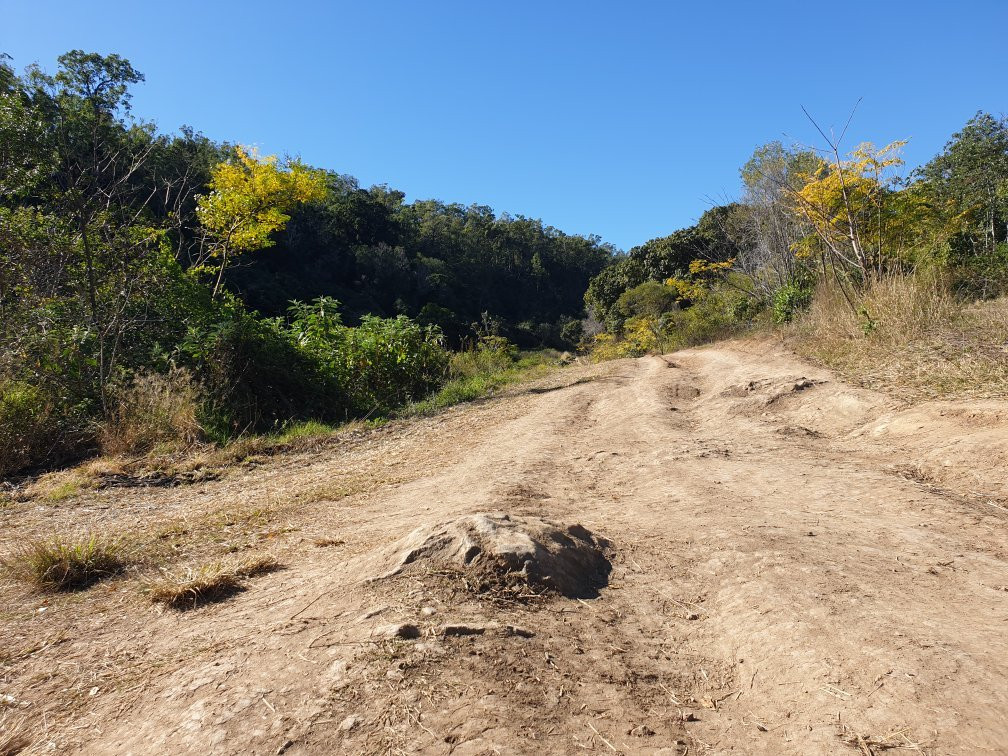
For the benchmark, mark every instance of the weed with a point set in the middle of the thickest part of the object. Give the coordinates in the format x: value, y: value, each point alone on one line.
x: 909, y: 334
x: 208, y: 583
x: 66, y: 563
x: 153, y: 412
x: 309, y: 430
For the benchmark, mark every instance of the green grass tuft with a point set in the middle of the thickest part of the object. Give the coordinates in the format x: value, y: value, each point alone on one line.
x: 66, y: 563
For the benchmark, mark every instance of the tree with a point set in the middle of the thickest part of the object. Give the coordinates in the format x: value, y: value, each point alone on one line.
x: 766, y: 227
x: 849, y: 205
x: 969, y: 181
x: 250, y: 199
x: 73, y: 161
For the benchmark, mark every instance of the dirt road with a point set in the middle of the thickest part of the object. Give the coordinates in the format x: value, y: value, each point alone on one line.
x: 797, y: 567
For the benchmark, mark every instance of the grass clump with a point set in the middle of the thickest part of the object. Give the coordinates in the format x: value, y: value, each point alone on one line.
x: 309, y: 430
x: 65, y: 563
x: 153, y: 410
x: 480, y: 375
x: 209, y: 583
x: 909, y: 334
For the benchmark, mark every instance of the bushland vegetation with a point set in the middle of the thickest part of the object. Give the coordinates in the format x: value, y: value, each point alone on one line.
x: 156, y: 289
x: 897, y: 279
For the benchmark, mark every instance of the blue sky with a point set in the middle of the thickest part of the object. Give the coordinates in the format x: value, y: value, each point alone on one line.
x: 623, y: 119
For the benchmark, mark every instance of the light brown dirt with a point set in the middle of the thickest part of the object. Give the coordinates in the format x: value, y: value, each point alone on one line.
x: 797, y: 567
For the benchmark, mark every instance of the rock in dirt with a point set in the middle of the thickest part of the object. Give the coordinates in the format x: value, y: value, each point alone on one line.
x: 519, y: 631
x: 350, y: 722
x: 404, y: 631
x: 641, y: 731
x: 498, y: 550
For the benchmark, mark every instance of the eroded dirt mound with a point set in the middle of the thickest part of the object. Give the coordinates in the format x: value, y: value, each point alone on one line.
x: 500, y: 550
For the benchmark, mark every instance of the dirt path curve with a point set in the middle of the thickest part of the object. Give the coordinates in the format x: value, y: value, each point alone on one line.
x: 798, y: 567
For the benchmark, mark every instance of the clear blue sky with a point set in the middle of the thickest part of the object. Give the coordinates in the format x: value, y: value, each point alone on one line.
x: 625, y: 119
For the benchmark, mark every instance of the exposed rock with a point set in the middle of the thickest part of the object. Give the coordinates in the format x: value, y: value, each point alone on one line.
x: 405, y: 631
x: 350, y: 722
x: 498, y: 550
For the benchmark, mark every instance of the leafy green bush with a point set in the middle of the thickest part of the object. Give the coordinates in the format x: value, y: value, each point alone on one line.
x: 36, y: 427
x: 789, y: 300
x: 257, y: 377
x: 385, y: 363
x: 24, y: 417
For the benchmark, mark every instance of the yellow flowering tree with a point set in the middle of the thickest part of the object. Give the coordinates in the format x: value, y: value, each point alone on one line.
x: 855, y: 213
x: 251, y: 198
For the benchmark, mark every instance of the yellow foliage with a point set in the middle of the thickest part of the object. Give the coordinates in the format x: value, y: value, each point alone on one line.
x: 851, y: 207
x: 697, y: 283
x: 639, y: 338
x: 250, y: 198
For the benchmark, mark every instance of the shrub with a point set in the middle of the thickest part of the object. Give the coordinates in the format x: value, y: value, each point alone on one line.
x: 385, y: 363
x: 490, y: 355
x: 153, y: 409
x: 789, y: 300
x: 25, y: 427
x: 257, y: 377
x: 66, y: 563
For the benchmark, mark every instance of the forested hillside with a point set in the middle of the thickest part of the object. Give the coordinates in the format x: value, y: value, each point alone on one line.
x: 156, y: 288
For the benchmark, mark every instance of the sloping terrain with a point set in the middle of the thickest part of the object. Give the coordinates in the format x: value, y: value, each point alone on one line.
x: 779, y: 563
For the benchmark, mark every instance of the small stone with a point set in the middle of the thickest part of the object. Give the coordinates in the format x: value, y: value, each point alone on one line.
x: 692, y: 616
x: 427, y: 611
x: 689, y: 716
x: 641, y: 731
x: 394, y: 672
x: 519, y: 631
x: 350, y: 722
x: 405, y: 631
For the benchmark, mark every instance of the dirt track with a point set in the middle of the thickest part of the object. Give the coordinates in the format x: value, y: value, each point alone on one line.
x: 798, y: 567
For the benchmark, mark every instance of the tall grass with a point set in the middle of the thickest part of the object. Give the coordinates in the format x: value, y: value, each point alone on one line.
x: 909, y: 333
x: 475, y: 376
x: 153, y: 409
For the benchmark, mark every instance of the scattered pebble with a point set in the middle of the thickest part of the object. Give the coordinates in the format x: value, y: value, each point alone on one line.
x: 350, y: 722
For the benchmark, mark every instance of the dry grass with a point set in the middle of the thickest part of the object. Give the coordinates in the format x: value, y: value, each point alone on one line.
x: 209, y: 583
x: 64, y: 563
x: 908, y: 334
x: 13, y: 734
x: 153, y: 410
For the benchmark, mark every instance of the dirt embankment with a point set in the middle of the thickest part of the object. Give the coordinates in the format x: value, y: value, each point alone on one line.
x: 764, y: 560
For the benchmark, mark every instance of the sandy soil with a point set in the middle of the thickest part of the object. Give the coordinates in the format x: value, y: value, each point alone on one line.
x: 798, y: 566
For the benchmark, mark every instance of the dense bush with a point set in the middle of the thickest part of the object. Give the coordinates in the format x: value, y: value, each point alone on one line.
x: 27, y: 428
x: 385, y: 363
x: 117, y: 252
